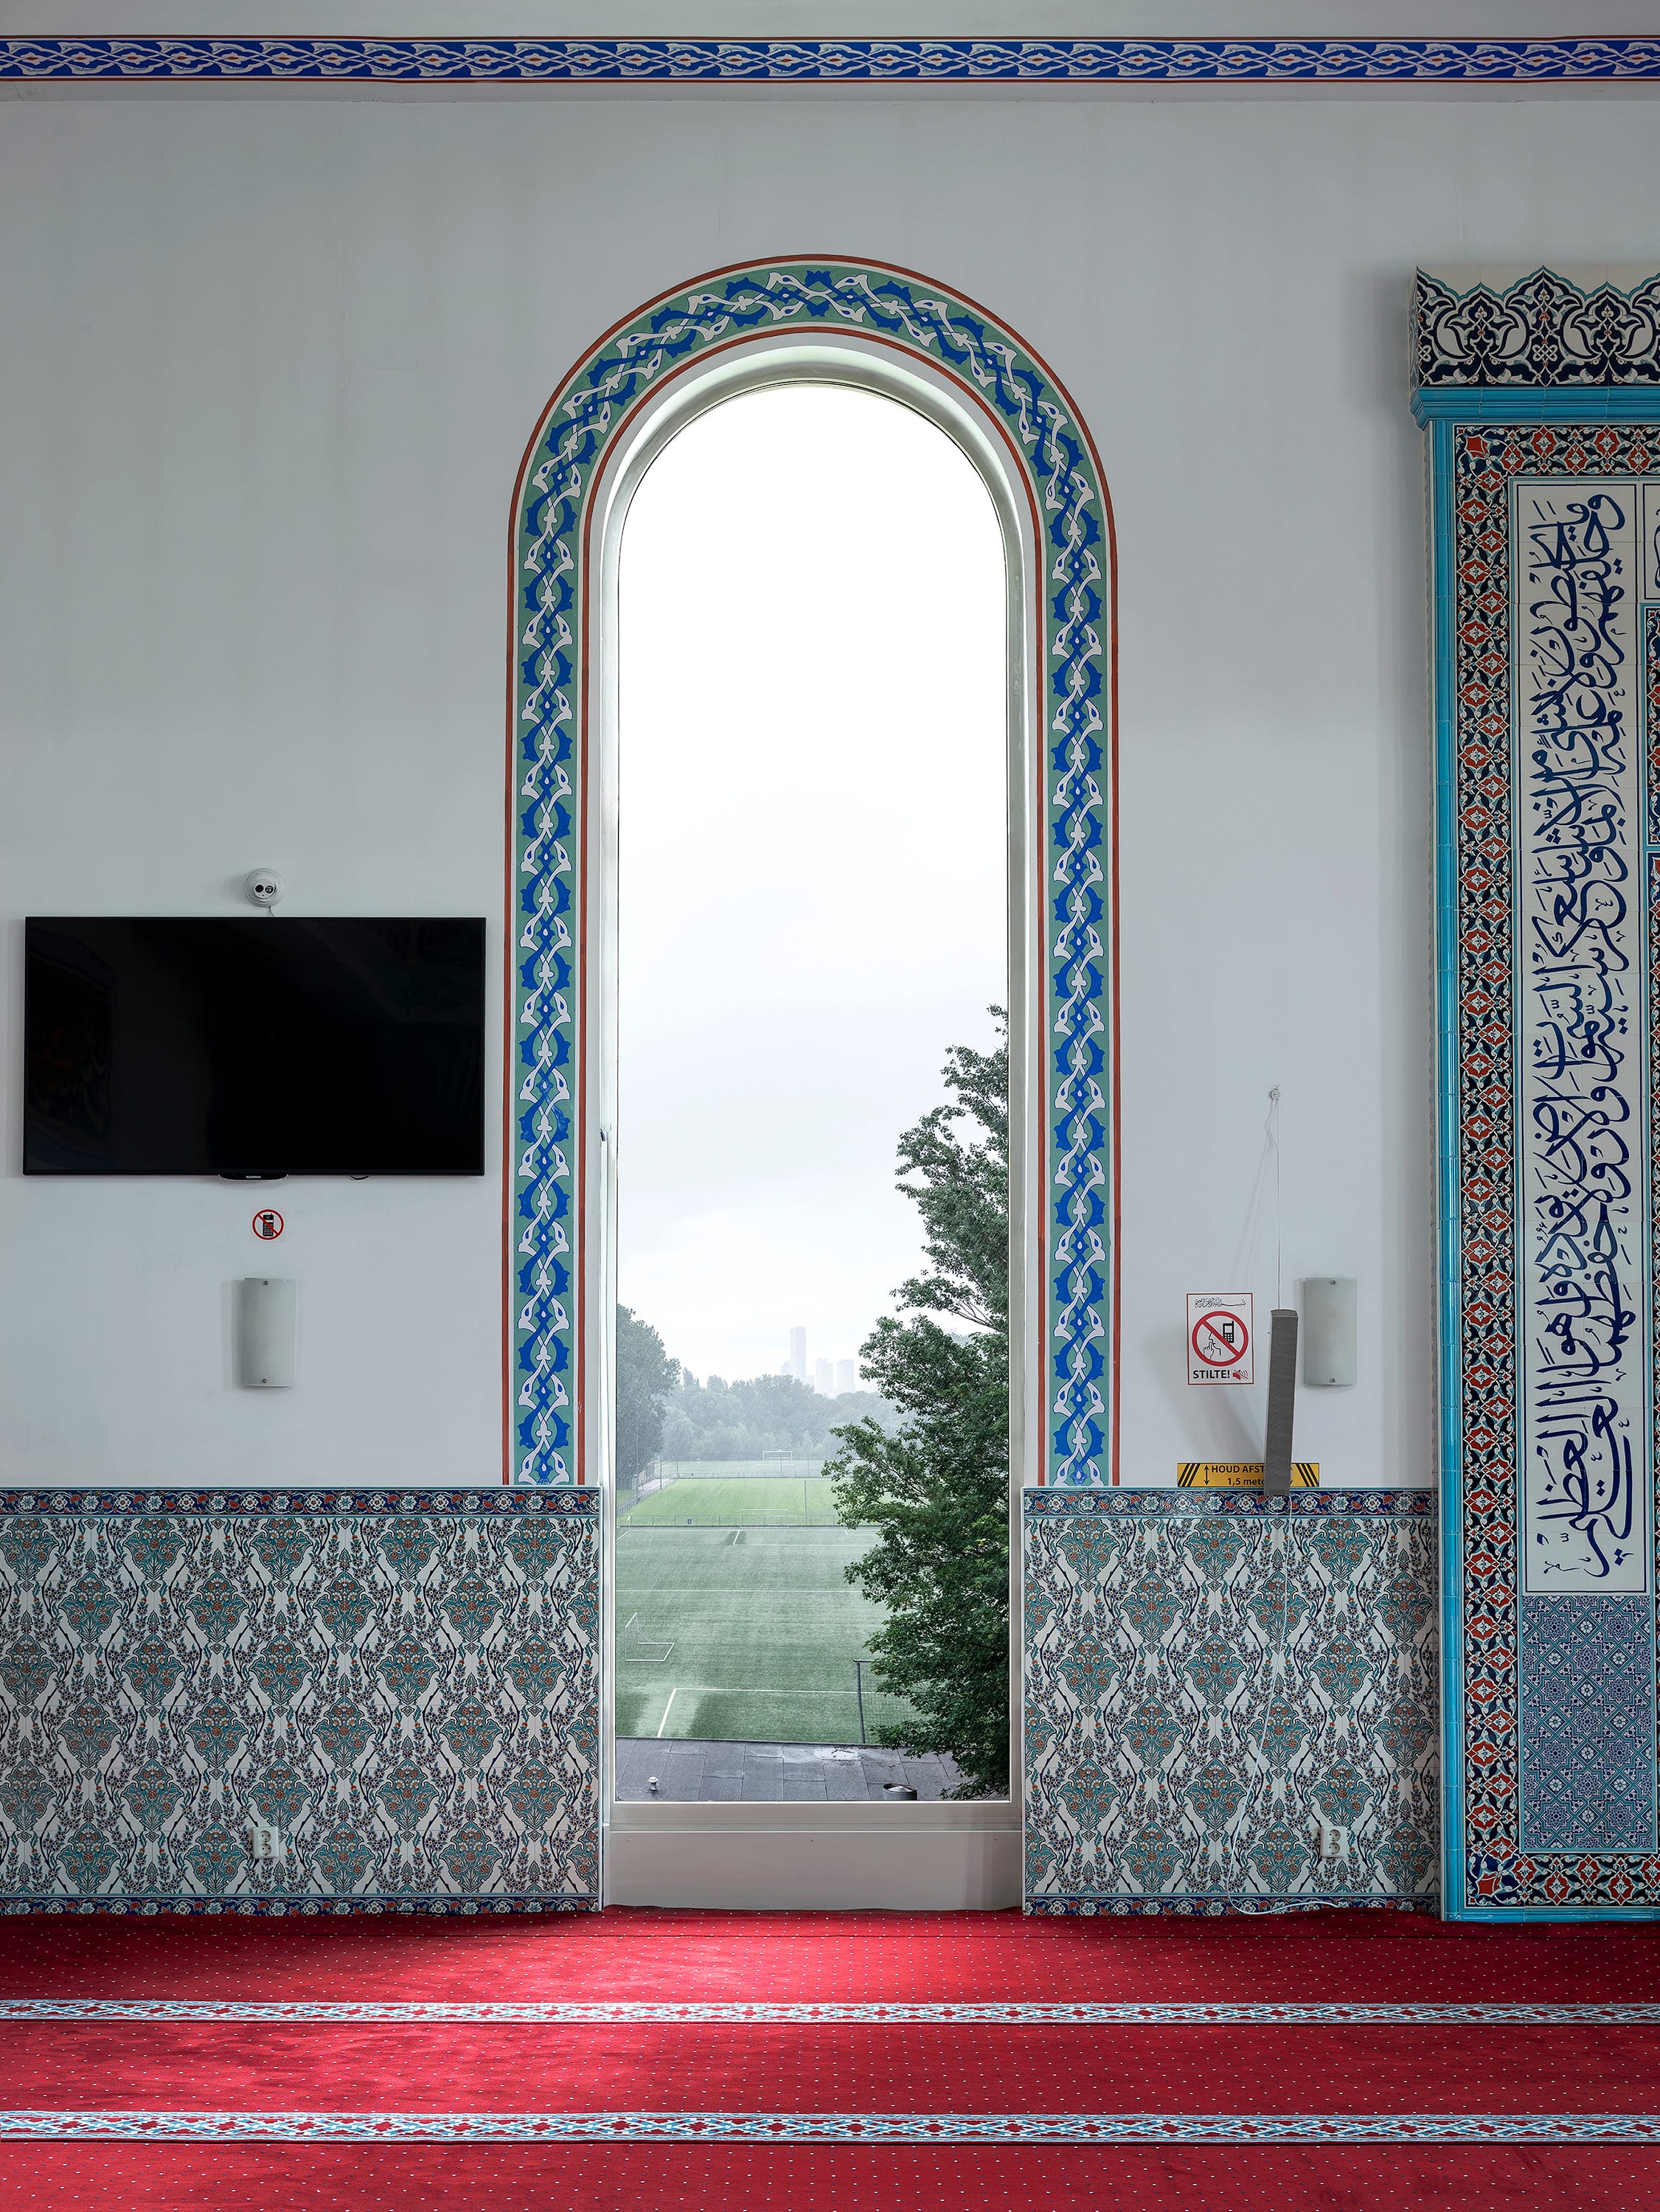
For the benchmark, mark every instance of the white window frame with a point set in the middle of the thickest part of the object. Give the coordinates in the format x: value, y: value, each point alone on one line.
x: 923, y: 1854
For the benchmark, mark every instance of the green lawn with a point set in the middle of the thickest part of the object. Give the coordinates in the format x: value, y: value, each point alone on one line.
x: 745, y: 1634
x: 752, y: 1502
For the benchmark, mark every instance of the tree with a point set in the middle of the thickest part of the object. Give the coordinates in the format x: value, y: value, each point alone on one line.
x: 721, y: 1420
x: 645, y: 1376
x: 937, y: 1489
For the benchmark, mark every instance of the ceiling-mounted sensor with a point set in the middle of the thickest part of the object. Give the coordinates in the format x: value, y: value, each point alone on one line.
x: 263, y: 887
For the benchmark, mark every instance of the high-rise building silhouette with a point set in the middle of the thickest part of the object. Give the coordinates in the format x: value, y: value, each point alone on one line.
x: 799, y: 1354
x: 824, y: 1378
x: 847, y: 1376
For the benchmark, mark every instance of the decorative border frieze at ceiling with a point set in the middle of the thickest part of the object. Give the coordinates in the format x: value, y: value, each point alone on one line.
x: 1406, y: 63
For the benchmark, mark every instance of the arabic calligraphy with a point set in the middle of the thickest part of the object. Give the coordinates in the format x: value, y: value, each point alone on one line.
x: 1583, y: 1203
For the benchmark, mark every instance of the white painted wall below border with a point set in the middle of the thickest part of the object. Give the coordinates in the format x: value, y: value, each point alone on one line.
x: 919, y: 1870
x: 1439, y: 19
x: 268, y: 369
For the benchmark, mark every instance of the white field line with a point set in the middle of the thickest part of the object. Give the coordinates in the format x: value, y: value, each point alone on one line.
x: 668, y: 1708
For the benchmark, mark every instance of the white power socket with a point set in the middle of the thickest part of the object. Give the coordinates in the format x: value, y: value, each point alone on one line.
x: 264, y: 1843
x: 1334, y: 1841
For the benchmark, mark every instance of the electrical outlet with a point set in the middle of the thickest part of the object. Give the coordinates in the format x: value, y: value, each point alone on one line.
x: 1334, y: 1841
x: 265, y: 1844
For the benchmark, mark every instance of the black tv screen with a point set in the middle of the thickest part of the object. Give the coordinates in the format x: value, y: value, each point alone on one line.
x: 252, y: 1046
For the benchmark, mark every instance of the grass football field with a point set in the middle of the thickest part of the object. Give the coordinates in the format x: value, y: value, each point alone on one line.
x: 754, y: 1502
x: 741, y: 1633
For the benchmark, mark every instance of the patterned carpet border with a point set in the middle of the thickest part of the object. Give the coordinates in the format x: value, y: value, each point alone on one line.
x: 1011, y: 2015
x: 1013, y: 2128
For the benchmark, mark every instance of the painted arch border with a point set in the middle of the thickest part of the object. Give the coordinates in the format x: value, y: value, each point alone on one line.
x: 555, y: 651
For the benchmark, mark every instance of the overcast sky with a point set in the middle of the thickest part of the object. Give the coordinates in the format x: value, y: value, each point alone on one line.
x: 811, y: 894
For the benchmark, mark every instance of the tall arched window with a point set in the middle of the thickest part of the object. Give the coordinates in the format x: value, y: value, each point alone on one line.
x: 812, y: 934
x: 880, y: 336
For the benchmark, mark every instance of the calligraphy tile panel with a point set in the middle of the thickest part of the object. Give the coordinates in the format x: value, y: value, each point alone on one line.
x: 1548, y: 533
x: 1582, y: 1198
x: 1206, y: 1678
x: 405, y: 1684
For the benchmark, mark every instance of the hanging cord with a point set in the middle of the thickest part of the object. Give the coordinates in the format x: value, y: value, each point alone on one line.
x: 1264, y: 1190
x: 1270, y: 1146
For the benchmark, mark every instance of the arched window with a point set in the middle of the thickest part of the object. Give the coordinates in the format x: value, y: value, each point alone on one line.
x: 812, y: 926
x: 893, y: 337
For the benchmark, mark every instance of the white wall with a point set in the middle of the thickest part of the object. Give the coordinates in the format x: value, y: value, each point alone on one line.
x: 1440, y: 18
x: 267, y: 368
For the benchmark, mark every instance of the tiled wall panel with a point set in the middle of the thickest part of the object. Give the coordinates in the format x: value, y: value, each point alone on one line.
x: 1206, y: 1673
x: 405, y: 1683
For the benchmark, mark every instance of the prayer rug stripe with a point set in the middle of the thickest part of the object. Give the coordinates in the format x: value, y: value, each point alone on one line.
x: 1002, y: 2128
x: 752, y: 2066
x: 156, y: 2176
x: 647, y: 1955
x: 1587, y: 2015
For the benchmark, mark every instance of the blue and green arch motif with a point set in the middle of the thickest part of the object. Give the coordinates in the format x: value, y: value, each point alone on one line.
x: 573, y: 444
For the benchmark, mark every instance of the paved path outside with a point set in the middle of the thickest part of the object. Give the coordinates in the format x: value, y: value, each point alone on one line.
x: 692, y: 1771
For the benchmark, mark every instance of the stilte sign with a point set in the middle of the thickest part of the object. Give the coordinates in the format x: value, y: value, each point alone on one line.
x: 1219, y: 1336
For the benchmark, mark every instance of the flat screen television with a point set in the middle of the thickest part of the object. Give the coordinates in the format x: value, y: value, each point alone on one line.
x: 253, y: 1046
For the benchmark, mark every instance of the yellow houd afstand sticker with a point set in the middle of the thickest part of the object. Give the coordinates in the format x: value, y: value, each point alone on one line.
x: 1240, y: 1474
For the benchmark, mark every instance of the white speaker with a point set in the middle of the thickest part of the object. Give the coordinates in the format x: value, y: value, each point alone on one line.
x: 1329, y: 1355
x: 266, y: 1333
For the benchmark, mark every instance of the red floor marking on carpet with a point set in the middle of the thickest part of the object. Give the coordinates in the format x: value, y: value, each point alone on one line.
x: 842, y: 2068
x: 850, y: 1956
x: 113, y: 2177
x: 848, y: 2067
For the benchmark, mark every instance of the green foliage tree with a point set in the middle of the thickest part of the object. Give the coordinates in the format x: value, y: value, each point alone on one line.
x: 937, y: 1488
x: 645, y: 1376
x: 721, y: 1420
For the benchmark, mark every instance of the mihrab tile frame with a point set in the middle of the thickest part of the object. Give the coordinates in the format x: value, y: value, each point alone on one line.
x: 1541, y: 396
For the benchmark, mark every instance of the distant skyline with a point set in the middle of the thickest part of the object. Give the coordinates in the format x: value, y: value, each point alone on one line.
x: 812, y: 900
x: 830, y: 1377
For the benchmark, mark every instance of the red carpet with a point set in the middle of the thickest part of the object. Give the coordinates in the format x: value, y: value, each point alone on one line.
x: 1184, y: 2065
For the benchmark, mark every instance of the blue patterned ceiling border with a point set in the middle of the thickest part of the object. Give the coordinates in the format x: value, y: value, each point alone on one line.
x: 1406, y: 63
x: 240, y: 1504
x: 1152, y: 1505
x: 1542, y: 330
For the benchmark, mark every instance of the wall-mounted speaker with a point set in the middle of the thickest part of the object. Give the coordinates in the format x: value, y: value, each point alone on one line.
x: 266, y: 1333
x: 1329, y: 1356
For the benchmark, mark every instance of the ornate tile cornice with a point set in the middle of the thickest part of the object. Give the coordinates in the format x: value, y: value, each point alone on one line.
x: 1542, y: 330
x: 239, y: 1504
x: 1247, y: 1504
x: 1409, y: 63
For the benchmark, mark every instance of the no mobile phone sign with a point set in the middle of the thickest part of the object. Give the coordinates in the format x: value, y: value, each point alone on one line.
x: 1219, y: 1336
